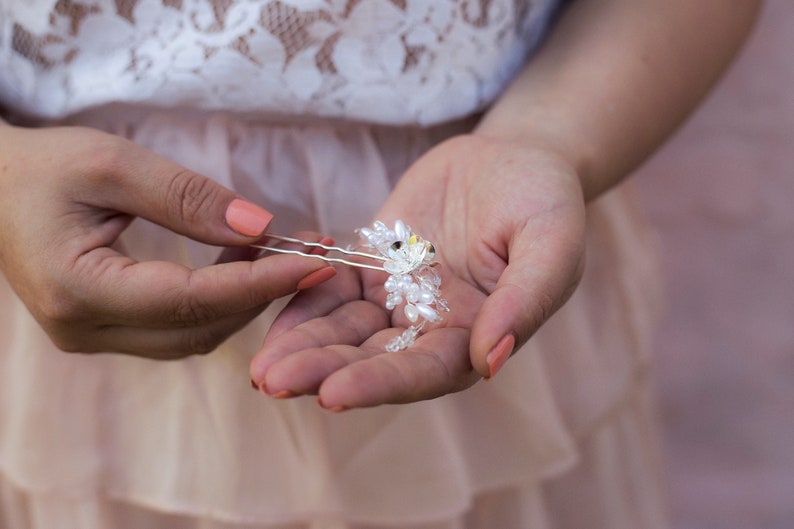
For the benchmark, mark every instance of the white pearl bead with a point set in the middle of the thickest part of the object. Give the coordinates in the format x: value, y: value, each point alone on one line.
x: 426, y: 312
x: 412, y: 313
x: 426, y: 297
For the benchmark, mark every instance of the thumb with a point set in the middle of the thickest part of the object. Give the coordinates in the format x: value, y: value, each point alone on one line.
x: 146, y: 185
x: 541, y: 275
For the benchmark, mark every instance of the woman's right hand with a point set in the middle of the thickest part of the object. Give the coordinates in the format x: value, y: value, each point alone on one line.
x: 66, y: 194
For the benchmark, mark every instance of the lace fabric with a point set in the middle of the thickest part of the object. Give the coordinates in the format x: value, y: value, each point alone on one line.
x: 383, y: 61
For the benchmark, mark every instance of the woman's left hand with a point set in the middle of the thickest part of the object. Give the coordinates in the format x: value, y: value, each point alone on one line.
x: 507, y: 221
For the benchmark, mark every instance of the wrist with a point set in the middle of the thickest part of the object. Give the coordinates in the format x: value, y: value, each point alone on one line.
x: 552, y: 138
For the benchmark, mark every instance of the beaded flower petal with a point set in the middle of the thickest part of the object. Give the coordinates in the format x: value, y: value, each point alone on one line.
x: 408, y: 258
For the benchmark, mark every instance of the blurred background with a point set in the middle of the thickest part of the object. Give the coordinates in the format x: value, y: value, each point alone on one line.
x: 720, y: 197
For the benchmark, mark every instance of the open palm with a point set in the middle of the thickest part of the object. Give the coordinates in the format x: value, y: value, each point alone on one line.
x: 507, y: 221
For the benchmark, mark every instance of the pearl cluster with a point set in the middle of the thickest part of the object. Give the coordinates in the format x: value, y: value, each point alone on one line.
x: 412, y: 279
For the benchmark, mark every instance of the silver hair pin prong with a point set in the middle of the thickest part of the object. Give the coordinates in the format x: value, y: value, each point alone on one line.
x: 320, y: 256
x: 407, y: 258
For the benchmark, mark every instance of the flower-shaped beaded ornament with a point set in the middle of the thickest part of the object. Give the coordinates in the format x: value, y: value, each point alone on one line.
x: 413, y: 279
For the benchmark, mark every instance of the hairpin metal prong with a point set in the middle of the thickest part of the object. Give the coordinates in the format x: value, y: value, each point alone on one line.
x: 319, y: 256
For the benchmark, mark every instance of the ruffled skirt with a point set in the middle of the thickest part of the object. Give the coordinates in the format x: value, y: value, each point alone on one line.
x: 563, y: 437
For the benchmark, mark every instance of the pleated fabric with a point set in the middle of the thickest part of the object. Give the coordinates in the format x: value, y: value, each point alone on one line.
x: 563, y: 437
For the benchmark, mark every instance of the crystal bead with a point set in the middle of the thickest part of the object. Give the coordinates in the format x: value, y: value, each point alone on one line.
x: 401, y: 230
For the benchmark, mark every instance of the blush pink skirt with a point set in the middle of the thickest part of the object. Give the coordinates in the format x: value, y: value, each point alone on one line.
x: 563, y: 437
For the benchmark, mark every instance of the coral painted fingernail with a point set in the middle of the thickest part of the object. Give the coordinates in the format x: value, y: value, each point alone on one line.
x: 246, y: 218
x: 333, y: 409
x: 328, y: 241
x: 316, y: 277
x: 499, y: 354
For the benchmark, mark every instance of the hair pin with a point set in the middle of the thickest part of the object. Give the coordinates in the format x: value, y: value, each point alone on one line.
x: 320, y: 256
x: 406, y: 257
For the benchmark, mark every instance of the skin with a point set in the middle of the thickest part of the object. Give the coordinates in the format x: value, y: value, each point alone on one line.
x: 68, y: 193
x: 505, y: 205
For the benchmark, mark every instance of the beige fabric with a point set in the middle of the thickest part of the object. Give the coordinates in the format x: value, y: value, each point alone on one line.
x: 108, y: 441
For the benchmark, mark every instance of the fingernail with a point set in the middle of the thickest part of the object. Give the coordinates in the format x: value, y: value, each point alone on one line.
x: 246, y: 218
x: 316, y: 277
x: 283, y: 394
x: 499, y: 354
x: 328, y: 241
x: 333, y: 409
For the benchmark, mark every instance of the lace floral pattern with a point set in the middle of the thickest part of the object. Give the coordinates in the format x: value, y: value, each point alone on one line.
x: 386, y: 61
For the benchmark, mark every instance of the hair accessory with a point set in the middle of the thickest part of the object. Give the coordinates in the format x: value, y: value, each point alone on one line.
x: 413, y: 278
x: 407, y: 258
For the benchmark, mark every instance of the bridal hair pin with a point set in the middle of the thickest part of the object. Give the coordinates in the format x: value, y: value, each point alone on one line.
x: 407, y: 258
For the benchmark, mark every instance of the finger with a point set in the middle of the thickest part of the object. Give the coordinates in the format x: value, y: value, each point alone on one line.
x: 316, y: 302
x: 231, y: 254
x: 436, y: 365
x: 350, y: 324
x: 542, y: 273
x: 134, y: 180
x: 164, y: 344
x: 303, y: 372
x: 164, y: 294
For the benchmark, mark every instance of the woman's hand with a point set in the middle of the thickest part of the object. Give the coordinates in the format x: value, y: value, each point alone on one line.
x: 507, y: 221
x: 68, y: 193
x: 505, y: 207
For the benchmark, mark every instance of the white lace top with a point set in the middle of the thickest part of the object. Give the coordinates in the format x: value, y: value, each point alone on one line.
x: 384, y: 61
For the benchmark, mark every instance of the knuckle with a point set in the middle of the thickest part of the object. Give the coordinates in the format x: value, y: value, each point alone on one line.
x: 539, y: 304
x: 104, y: 155
x: 189, y: 310
x: 64, y: 320
x: 68, y: 344
x: 58, y: 309
x: 188, y: 195
x: 202, y: 342
x: 545, y: 305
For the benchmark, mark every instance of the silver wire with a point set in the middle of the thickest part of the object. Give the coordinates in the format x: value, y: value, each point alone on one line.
x: 323, y: 257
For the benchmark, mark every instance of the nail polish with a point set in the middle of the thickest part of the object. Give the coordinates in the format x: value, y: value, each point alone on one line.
x: 316, y: 277
x: 328, y: 241
x: 246, y: 218
x: 333, y: 409
x: 499, y: 354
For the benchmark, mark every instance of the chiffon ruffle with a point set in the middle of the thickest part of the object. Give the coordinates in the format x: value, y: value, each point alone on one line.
x: 562, y: 437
